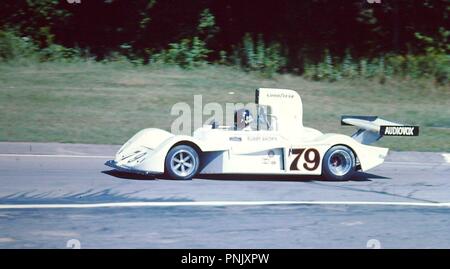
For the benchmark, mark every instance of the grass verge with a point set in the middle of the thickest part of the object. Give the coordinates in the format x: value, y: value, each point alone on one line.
x: 92, y: 102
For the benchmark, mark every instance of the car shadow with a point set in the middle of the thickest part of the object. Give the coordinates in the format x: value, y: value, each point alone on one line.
x: 130, y: 176
x: 358, y: 176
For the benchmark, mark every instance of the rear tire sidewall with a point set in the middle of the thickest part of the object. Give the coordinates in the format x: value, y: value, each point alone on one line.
x: 327, y: 171
x: 168, y: 168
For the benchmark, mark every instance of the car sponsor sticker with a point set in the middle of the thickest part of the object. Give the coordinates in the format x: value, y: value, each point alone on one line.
x: 235, y: 139
x: 399, y: 130
x: 269, y: 158
x: 261, y: 138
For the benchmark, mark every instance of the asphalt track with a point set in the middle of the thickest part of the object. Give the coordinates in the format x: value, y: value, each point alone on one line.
x: 53, y: 193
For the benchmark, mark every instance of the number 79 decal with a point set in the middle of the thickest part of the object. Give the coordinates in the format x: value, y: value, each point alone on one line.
x: 311, y: 157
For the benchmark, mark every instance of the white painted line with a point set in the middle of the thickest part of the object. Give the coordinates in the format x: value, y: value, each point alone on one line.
x: 446, y: 157
x: 55, y: 156
x: 414, y: 163
x: 220, y: 203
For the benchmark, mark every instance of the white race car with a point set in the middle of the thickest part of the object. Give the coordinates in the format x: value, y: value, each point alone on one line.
x: 275, y: 143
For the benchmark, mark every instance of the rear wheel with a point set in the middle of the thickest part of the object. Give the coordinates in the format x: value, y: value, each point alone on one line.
x: 339, y: 163
x: 182, y: 162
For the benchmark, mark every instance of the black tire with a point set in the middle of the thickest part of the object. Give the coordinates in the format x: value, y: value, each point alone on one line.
x: 339, y: 163
x: 182, y: 162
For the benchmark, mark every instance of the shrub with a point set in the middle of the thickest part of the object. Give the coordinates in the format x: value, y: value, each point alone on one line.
x: 56, y: 52
x: 324, y: 70
x: 433, y: 64
x: 436, y: 45
x: 13, y: 46
x: 190, y: 51
x: 438, y: 66
x: 206, y: 27
x: 258, y: 56
x: 349, y: 68
x: 187, y: 53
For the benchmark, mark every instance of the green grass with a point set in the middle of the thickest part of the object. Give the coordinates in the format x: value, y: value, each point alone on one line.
x: 107, y: 103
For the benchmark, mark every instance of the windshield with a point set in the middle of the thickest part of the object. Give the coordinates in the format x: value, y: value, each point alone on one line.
x: 245, y: 119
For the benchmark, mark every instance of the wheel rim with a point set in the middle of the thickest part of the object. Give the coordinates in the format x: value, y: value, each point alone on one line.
x: 182, y: 163
x: 340, y: 162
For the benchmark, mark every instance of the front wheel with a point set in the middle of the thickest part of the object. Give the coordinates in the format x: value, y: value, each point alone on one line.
x: 339, y: 163
x: 182, y: 162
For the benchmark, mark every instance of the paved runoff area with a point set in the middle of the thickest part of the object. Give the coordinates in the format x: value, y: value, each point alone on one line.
x: 61, y: 195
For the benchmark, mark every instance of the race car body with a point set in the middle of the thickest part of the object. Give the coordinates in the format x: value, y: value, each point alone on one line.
x: 276, y: 142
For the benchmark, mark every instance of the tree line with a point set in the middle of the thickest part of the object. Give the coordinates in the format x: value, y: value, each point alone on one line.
x: 282, y: 35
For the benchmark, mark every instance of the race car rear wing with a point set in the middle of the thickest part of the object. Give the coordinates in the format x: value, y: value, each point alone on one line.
x: 372, y: 128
